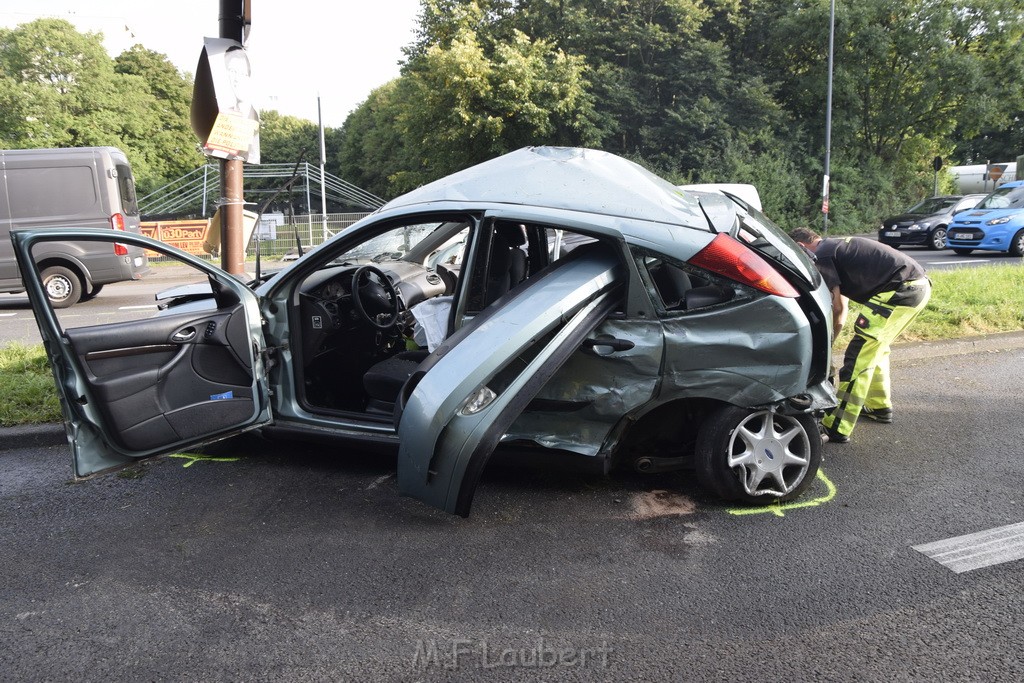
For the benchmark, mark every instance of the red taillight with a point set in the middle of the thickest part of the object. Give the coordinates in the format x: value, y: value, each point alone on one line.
x: 730, y: 258
x: 117, y: 223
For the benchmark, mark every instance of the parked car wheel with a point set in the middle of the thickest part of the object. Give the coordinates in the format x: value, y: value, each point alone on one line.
x: 62, y: 286
x: 757, y: 456
x: 937, y: 240
x: 1017, y: 244
x: 91, y: 294
x: 963, y: 252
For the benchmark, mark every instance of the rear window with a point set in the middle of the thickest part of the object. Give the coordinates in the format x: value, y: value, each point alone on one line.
x: 933, y: 205
x: 66, y: 191
x: 126, y: 185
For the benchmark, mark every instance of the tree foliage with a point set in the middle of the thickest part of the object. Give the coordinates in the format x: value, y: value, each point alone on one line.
x: 59, y: 88
x: 712, y: 90
x: 697, y: 90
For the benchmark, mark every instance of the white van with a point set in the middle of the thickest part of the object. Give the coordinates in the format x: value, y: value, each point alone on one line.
x: 82, y: 187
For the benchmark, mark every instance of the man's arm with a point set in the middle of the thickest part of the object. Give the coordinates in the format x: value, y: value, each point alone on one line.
x: 840, y: 307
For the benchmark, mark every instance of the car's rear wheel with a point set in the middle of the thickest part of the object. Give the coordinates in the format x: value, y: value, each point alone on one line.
x: 62, y: 285
x: 937, y: 240
x: 1017, y: 244
x: 757, y: 456
x: 963, y: 252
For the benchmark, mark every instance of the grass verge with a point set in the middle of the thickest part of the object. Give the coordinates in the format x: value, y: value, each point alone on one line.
x: 27, y: 392
x: 965, y: 302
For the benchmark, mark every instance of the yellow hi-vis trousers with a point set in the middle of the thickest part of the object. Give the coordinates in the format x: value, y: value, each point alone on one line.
x: 864, y: 377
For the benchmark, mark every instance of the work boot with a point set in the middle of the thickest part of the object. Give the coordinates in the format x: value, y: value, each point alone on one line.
x: 829, y: 435
x: 883, y: 415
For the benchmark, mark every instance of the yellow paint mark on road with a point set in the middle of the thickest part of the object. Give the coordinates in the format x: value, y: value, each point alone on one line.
x: 779, y: 509
x: 193, y: 458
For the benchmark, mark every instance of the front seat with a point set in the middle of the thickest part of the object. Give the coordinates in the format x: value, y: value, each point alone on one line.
x: 508, y: 261
x: 385, y: 379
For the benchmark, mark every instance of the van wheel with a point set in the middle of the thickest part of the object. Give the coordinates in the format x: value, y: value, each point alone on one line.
x: 1017, y: 244
x: 91, y: 294
x: 62, y: 286
x: 757, y: 456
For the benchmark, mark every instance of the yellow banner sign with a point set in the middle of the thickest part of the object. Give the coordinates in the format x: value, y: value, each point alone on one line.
x: 185, y: 235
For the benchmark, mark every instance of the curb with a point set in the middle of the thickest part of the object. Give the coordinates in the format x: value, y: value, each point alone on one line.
x: 1003, y: 341
x: 33, y: 436
x: 53, y: 434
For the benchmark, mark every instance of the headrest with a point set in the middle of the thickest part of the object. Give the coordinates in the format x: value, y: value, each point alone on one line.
x: 512, y: 233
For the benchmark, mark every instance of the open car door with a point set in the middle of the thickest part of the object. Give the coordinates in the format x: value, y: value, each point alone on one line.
x: 455, y: 408
x: 187, y: 374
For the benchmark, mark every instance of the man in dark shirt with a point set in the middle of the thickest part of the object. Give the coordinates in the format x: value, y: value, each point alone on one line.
x: 893, y: 289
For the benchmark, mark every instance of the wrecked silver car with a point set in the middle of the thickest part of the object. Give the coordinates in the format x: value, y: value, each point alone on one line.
x: 552, y: 298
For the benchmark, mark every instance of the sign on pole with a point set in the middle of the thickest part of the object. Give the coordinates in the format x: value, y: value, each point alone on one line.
x: 223, y: 114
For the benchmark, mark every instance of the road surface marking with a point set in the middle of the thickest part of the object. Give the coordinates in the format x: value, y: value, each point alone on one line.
x: 779, y: 509
x: 7, y: 315
x: 981, y: 549
x: 957, y: 263
x: 193, y: 458
x: 378, y: 481
x: 135, y: 308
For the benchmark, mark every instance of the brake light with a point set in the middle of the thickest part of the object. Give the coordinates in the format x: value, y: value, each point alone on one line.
x: 726, y: 256
x: 117, y: 223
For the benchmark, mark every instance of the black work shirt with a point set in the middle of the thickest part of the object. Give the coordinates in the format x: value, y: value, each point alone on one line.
x: 862, y: 268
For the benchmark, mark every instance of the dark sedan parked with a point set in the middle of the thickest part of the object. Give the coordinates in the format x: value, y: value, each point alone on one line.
x: 925, y: 223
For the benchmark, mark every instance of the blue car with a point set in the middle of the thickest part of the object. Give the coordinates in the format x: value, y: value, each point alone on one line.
x: 995, y: 224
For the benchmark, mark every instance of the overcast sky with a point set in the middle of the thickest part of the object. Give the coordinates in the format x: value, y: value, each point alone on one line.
x: 298, y: 48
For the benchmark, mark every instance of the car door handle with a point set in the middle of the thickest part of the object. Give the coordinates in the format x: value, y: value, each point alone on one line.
x: 185, y: 335
x: 604, y: 347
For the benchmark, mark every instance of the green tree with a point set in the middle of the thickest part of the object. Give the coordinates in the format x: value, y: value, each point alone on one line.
x: 162, y: 136
x: 283, y: 139
x: 374, y: 152
x: 466, y: 96
x: 59, y: 88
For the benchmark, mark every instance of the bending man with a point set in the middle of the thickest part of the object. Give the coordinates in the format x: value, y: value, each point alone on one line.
x: 893, y: 289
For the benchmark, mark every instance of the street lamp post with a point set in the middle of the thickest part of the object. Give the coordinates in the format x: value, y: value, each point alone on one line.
x: 828, y: 116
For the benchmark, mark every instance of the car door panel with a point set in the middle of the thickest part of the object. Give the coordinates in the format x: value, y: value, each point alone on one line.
x: 138, y: 388
x: 512, y: 349
x: 167, y: 378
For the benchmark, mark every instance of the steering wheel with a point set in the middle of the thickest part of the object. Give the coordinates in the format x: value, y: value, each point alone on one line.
x: 377, y: 294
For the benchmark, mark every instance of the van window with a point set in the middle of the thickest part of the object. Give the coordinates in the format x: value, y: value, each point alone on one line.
x: 126, y: 184
x: 63, y: 191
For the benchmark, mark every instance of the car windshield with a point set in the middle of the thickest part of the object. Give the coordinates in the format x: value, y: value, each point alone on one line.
x: 392, y: 245
x: 933, y: 205
x: 1004, y: 198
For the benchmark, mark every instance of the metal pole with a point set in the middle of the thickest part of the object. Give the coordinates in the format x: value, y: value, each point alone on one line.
x: 828, y: 117
x: 309, y: 207
x: 232, y: 244
x: 323, y: 161
x: 206, y: 171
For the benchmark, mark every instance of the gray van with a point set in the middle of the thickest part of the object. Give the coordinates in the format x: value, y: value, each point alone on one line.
x: 82, y: 187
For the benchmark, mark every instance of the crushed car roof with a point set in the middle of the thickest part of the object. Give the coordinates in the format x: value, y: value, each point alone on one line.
x: 567, y: 178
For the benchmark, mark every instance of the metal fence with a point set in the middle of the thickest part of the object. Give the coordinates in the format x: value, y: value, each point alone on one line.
x: 279, y: 241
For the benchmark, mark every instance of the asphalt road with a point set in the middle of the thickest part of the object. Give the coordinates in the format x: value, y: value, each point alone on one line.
x: 296, y: 562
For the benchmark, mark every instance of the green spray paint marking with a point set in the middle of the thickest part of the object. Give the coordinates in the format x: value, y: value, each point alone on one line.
x: 193, y: 458
x: 779, y: 509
